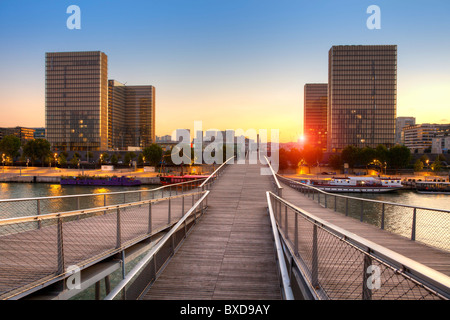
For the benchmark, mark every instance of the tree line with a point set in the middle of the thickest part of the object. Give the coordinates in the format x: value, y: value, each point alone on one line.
x: 396, y: 157
x: 40, y: 150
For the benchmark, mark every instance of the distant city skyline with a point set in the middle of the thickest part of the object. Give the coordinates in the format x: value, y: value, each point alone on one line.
x: 231, y: 65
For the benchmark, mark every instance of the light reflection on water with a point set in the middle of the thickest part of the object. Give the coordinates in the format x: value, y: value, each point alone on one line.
x: 96, y: 198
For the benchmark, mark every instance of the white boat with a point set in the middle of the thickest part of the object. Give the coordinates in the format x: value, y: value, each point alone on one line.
x: 357, y: 184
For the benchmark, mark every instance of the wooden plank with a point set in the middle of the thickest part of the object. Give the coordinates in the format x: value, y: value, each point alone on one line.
x: 230, y: 253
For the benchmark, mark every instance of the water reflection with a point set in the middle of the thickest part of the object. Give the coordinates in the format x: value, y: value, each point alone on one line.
x: 96, y: 196
x: 432, y: 226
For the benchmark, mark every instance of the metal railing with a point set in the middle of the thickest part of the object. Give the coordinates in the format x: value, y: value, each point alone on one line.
x: 284, y: 277
x: 38, y: 250
x: 327, y: 262
x: 43, y: 205
x: 39, y: 247
x: 276, y: 183
x: 146, y: 271
x: 426, y: 225
x: 10, y: 208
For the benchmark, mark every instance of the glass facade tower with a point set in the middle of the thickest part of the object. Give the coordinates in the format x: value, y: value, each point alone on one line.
x: 315, y: 114
x: 131, y: 120
x: 362, y: 96
x: 76, y: 100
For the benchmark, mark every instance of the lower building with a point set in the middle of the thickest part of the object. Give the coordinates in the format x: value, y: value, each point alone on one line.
x: 24, y: 134
x: 419, y: 138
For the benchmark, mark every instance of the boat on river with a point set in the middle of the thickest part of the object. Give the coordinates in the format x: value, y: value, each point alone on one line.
x: 172, y: 179
x: 100, y: 181
x: 357, y: 184
x: 433, y: 187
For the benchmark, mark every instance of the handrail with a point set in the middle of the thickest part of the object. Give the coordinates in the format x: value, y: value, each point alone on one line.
x: 152, y: 252
x: 101, y: 194
x: 215, y: 171
x: 47, y: 216
x: 361, y: 199
x: 274, y: 175
x: 437, y: 280
x: 285, y: 281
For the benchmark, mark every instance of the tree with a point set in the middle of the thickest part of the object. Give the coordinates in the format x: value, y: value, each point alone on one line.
x: 350, y: 155
x: 37, y: 149
x: 294, y: 157
x: 62, y: 159
x: 104, y: 157
x: 153, y: 154
x: 418, y: 165
x: 129, y: 156
x: 312, y: 155
x: 75, y: 160
x: 283, y: 156
x: 10, y: 146
x: 381, y: 153
x: 437, y: 165
x: 114, y: 159
x: 366, y: 156
x: 335, y: 161
x: 441, y: 157
x: 399, y: 157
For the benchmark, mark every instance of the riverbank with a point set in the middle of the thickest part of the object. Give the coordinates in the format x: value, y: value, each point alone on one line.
x: 53, y: 175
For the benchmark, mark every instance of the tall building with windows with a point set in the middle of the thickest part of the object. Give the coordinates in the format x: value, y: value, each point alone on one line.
x: 362, y: 95
x: 131, y: 115
x: 315, y: 114
x: 400, y: 123
x: 76, y: 100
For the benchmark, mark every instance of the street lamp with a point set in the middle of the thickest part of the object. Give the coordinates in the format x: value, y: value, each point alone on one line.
x: 55, y: 155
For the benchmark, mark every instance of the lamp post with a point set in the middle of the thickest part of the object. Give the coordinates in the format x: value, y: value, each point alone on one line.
x: 55, y: 156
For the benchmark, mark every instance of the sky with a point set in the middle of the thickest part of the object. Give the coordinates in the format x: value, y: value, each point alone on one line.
x: 235, y: 64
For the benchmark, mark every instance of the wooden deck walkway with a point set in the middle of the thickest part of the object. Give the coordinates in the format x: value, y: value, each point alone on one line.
x: 230, y: 253
x: 431, y: 257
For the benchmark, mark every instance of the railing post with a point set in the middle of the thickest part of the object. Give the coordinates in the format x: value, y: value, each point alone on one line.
x: 367, y: 292
x: 150, y: 218
x: 362, y: 211
x: 315, y: 260
x: 38, y: 204
x: 169, y: 214
x: 60, y: 244
x: 118, y: 235
x: 382, y: 216
x: 286, y: 222
x: 296, y: 233
x: 413, y: 228
x: 346, y: 207
x: 182, y: 206
x: 335, y: 204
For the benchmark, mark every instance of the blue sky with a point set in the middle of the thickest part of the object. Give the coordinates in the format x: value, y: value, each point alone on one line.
x: 232, y: 64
